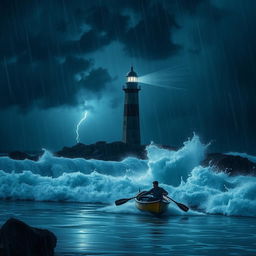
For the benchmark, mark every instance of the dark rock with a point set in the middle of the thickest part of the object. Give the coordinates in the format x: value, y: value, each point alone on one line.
x: 19, y: 239
x: 233, y: 165
x: 18, y: 155
x: 101, y: 150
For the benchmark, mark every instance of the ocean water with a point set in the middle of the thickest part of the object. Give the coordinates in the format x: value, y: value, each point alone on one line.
x: 75, y: 199
x: 93, y: 229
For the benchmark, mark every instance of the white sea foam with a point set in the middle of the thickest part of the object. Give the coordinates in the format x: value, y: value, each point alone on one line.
x: 80, y: 180
x: 129, y: 208
x: 169, y: 167
x: 49, y: 165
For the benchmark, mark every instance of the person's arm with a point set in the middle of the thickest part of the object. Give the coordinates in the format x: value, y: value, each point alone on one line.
x: 147, y: 192
x: 164, y: 192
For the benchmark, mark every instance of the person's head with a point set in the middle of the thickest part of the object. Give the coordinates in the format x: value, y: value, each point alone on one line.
x: 155, y: 184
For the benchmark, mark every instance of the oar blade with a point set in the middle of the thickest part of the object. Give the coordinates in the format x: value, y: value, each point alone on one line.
x: 121, y: 201
x: 124, y: 200
x: 183, y: 207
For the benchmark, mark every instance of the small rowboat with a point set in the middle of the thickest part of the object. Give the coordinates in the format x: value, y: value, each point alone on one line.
x: 145, y: 203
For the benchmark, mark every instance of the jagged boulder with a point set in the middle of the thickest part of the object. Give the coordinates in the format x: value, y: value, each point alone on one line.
x: 18, y: 155
x: 19, y: 239
x: 231, y: 164
x: 114, y: 151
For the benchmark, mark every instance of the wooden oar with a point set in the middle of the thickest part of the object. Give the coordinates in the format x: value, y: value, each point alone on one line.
x: 125, y: 200
x: 181, y: 206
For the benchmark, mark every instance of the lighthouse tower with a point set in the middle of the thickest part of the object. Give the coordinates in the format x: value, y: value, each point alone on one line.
x: 131, y: 125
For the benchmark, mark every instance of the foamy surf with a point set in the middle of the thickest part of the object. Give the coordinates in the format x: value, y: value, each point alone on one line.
x: 129, y: 208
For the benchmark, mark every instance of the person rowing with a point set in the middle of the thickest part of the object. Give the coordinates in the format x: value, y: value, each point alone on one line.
x: 158, y: 194
x: 156, y: 191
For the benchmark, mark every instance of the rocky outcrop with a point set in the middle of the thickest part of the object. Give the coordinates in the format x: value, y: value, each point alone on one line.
x: 114, y: 151
x: 233, y: 165
x: 101, y: 150
x: 19, y: 239
x: 18, y: 155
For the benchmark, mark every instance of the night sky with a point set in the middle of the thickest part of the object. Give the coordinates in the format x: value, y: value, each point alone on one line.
x: 57, y: 55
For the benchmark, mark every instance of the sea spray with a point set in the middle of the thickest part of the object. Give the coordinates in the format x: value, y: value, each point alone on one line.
x: 50, y: 165
x: 75, y: 187
x: 129, y: 208
x: 170, y: 167
x: 218, y: 193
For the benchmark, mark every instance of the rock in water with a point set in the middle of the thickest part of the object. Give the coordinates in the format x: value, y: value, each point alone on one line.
x: 233, y: 165
x: 18, y: 155
x: 19, y: 239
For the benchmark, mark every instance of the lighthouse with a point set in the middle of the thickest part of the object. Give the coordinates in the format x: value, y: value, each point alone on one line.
x: 131, y: 125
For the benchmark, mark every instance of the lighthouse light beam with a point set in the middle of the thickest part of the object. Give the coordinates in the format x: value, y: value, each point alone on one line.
x: 169, y: 78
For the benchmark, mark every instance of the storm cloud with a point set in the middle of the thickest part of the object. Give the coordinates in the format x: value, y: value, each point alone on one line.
x: 49, y: 83
x: 44, y: 45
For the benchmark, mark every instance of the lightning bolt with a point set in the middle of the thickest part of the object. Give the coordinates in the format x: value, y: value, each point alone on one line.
x: 79, y: 124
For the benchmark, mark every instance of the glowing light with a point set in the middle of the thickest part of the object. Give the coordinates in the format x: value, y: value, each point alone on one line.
x: 79, y: 124
x: 132, y: 79
x: 170, y: 78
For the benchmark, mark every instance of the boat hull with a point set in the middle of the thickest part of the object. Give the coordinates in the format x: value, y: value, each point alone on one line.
x: 155, y: 207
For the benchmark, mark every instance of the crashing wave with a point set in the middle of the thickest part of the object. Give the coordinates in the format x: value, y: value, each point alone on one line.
x: 80, y: 180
